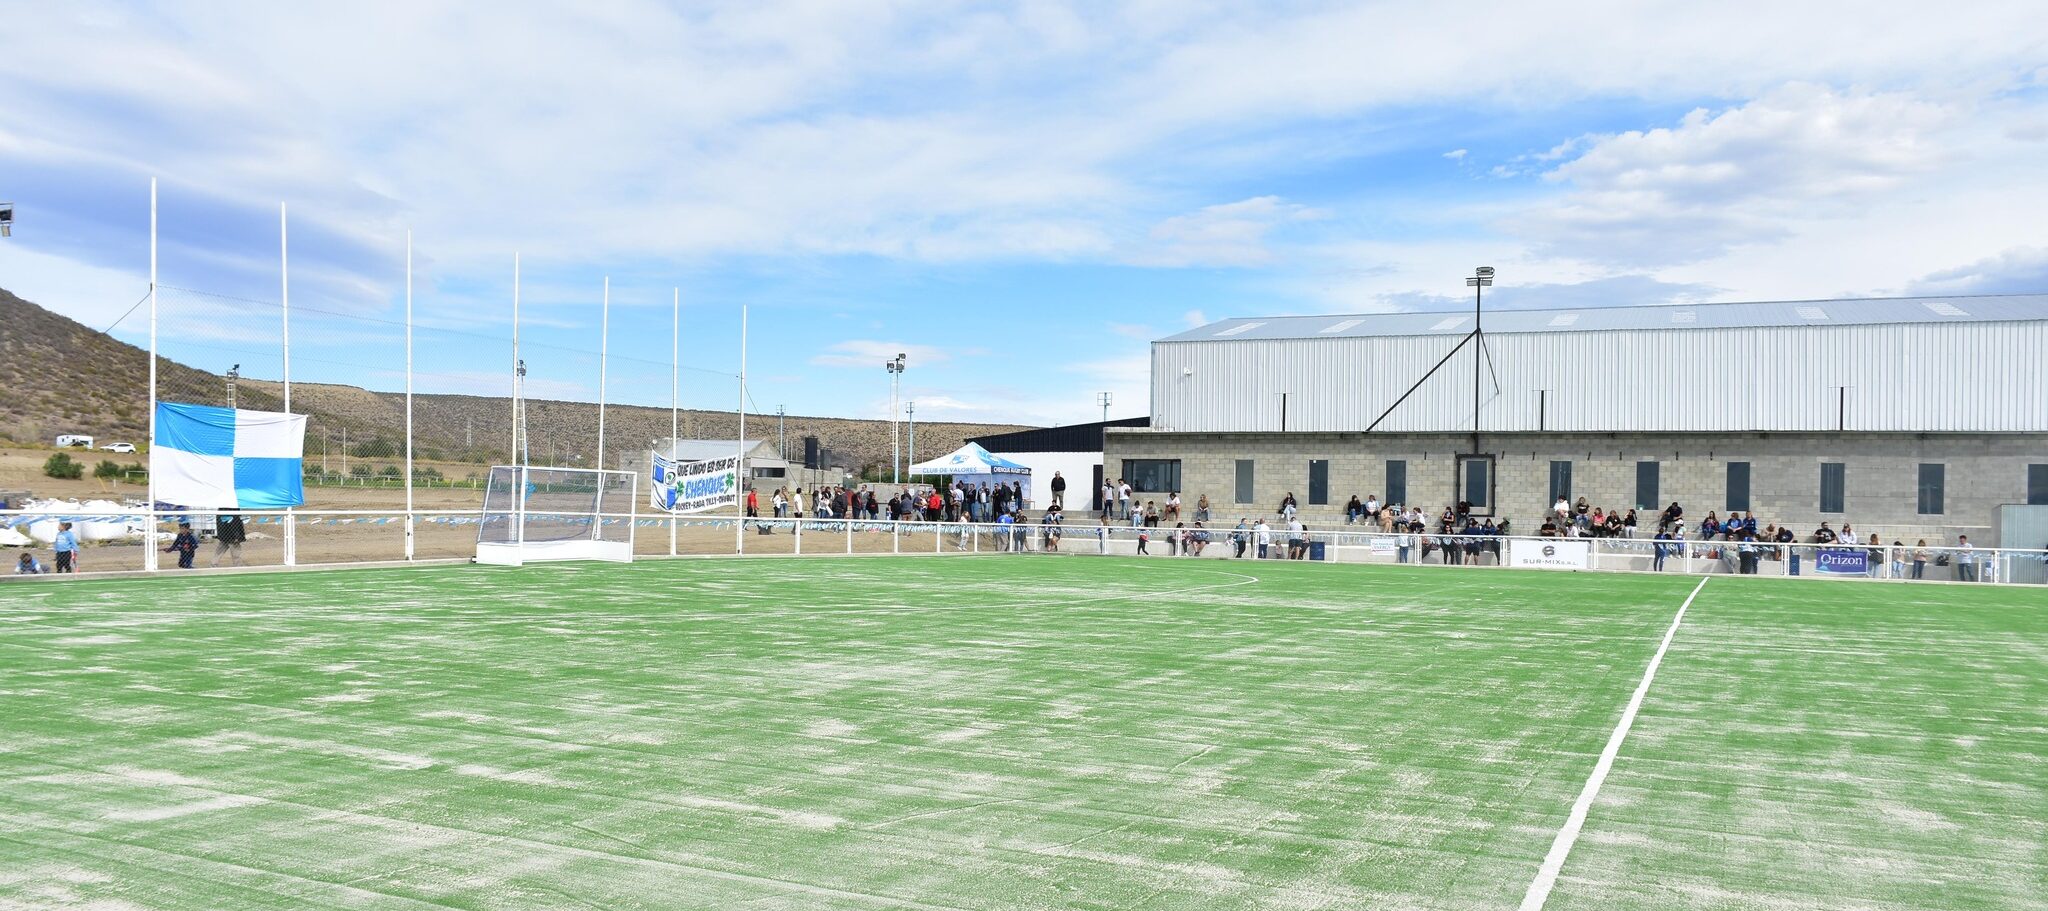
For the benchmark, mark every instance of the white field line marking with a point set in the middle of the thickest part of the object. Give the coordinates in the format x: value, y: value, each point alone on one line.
x: 1553, y: 863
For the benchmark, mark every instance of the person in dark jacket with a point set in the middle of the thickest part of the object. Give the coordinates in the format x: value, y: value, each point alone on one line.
x: 229, y: 534
x: 184, y: 545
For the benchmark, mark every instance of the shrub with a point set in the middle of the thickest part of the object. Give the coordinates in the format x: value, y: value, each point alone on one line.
x: 390, y: 471
x: 106, y: 470
x: 63, y: 467
x: 359, y: 470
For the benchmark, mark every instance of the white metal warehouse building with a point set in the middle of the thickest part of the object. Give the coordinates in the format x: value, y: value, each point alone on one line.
x: 1933, y: 411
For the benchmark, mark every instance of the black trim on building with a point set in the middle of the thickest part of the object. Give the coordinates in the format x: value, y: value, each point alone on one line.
x: 1071, y: 438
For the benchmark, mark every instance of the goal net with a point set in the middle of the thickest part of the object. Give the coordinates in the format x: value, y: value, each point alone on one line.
x: 535, y: 513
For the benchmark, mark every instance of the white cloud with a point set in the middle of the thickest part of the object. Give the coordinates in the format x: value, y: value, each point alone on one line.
x: 2020, y: 270
x: 1230, y: 234
x: 1457, y: 154
x: 1720, y: 180
x: 871, y: 353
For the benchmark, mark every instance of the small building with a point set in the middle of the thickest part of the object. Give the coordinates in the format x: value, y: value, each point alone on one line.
x: 1908, y: 417
x: 766, y: 468
x: 1074, y: 452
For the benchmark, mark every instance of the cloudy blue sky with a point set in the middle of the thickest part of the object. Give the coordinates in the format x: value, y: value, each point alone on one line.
x: 1019, y: 196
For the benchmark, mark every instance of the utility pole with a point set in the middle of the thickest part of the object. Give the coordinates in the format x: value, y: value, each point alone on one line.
x: 344, y: 449
x: 1103, y: 399
x: 781, y: 450
x: 912, y: 460
x: 234, y: 373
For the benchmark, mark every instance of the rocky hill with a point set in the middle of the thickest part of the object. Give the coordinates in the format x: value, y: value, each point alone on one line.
x: 60, y: 376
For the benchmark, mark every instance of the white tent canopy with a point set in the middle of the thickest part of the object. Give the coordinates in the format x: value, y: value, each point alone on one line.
x: 975, y: 465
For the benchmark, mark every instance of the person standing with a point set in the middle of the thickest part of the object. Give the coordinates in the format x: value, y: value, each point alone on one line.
x: 184, y: 545
x: 66, y: 547
x: 1966, y: 560
x: 229, y: 534
x: 1102, y: 536
x: 1262, y: 535
x: 1297, y: 539
x: 1920, y: 559
x: 1239, y: 537
x: 1660, y: 550
x: 1059, y: 491
x: 753, y: 503
x: 1123, y: 496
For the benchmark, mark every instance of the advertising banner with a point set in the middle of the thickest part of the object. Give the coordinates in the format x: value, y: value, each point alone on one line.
x: 1842, y: 562
x: 695, y: 486
x: 1551, y: 554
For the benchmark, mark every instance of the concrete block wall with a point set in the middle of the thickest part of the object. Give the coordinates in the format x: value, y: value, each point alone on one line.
x: 1983, y: 472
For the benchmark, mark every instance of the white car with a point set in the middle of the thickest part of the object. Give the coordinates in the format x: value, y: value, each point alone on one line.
x: 119, y: 447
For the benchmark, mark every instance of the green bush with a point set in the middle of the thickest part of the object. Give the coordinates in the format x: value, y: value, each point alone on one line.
x: 106, y: 470
x: 63, y: 467
x: 359, y: 470
x: 389, y: 471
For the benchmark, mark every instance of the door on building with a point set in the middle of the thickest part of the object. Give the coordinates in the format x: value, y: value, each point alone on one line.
x: 1095, y: 491
x: 1476, y: 483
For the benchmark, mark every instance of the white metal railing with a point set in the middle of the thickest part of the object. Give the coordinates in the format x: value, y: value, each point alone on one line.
x: 114, y: 541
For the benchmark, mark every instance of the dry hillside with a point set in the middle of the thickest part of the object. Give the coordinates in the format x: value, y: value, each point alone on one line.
x: 64, y: 377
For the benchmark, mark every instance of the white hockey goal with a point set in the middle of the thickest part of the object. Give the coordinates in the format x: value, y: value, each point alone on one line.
x: 533, y: 513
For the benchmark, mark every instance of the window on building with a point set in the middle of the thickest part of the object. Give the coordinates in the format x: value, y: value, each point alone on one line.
x: 2037, y: 485
x: 1646, y: 485
x: 1318, y: 482
x: 1932, y: 478
x: 1738, y: 486
x: 1397, y: 482
x: 1245, y: 493
x: 1152, y: 475
x: 1560, y: 482
x: 1475, y: 482
x: 1832, y: 477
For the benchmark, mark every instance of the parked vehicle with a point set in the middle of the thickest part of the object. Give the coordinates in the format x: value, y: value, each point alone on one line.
x: 75, y: 440
x: 119, y: 447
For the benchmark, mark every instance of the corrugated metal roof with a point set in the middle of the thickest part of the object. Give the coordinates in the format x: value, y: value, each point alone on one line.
x: 1845, y: 312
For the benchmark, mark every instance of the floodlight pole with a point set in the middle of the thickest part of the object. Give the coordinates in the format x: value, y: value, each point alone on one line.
x: 518, y: 366
x: 1480, y: 280
x: 912, y: 450
x: 1103, y: 399
x: 895, y: 369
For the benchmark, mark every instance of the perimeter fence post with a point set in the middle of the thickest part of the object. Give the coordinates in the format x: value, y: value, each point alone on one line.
x: 849, y: 534
x: 799, y: 537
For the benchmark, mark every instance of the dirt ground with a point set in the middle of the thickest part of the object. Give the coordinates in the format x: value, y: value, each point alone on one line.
x: 21, y: 468
x: 359, y: 538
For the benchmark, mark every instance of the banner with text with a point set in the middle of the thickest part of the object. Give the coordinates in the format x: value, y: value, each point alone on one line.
x: 695, y: 486
x: 1551, y: 554
x: 1842, y: 562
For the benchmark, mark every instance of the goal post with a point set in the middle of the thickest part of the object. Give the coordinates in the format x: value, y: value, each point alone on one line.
x: 533, y: 513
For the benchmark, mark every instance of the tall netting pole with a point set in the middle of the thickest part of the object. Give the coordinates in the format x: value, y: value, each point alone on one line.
x: 516, y: 404
x: 675, y: 390
x: 739, y: 539
x: 604, y: 341
x: 284, y: 280
x: 408, y: 397
x: 149, y: 538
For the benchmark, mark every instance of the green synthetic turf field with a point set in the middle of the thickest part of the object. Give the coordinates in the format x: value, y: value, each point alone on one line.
x: 1014, y: 732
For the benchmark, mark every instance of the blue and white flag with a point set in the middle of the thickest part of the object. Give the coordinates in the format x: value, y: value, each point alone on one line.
x: 212, y: 458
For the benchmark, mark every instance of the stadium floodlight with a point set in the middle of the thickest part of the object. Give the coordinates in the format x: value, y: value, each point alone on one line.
x: 1481, y: 279
x: 6, y: 219
x: 895, y: 369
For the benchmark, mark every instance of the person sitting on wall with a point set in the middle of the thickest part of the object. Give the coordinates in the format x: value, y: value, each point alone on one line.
x: 1824, y: 535
x: 1673, y: 515
x: 1353, y: 511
